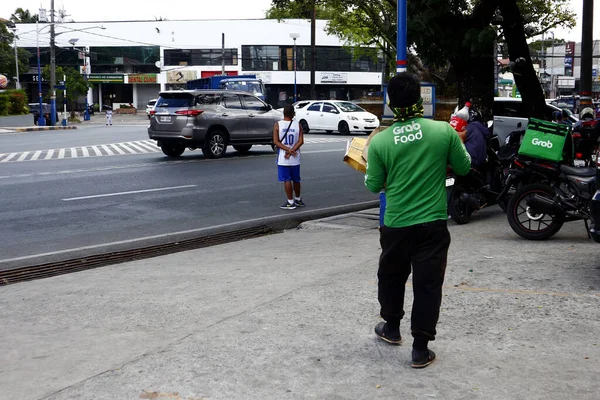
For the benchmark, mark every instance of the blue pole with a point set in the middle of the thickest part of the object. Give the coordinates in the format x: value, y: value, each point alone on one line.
x: 86, y: 112
x: 401, y: 38
x: 41, y: 119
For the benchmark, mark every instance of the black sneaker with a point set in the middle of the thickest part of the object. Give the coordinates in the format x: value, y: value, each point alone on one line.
x: 392, y: 337
x: 422, y: 358
x: 288, y: 206
x: 299, y: 203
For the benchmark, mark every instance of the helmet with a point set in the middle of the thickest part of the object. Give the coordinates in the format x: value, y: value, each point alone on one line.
x: 474, y: 115
x: 587, y: 113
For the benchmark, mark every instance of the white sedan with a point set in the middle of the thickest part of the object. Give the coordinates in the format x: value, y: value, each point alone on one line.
x: 335, y: 115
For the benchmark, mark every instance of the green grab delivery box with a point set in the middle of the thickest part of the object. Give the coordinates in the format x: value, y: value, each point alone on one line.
x: 545, y: 140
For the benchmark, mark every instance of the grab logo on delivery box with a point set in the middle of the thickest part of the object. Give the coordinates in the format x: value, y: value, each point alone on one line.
x: 411, y: 137
x: 538, y: 142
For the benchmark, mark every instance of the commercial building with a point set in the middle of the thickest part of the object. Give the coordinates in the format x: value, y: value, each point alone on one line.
x: 129, y: 62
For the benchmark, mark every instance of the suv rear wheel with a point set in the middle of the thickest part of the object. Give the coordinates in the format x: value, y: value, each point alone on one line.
x: 242, y: 148
x: 215, y: 145
x: 172, y: 149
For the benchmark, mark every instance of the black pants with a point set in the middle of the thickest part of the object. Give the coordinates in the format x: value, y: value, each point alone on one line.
x: 425, y: 248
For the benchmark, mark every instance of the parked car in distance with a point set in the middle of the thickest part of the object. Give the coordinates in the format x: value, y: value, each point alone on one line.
x: 34, y: 109
x: 150, y: 107
x: 510, y: 116
x: 211, y: 120
x: 342, y: 116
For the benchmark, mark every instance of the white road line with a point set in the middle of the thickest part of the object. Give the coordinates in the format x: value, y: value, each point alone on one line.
x: 23, y: 156
x: 97, y: 150
x: 36, y: 155
x: 10, y: 156
x: 61, y: 153
x: 85, y: 152
x: 73, y: 152
x: 49, y: 155
x: 132, y: 192
x: 150, y: 147
x: 116, y: 148
x: 129, y: 149
x: 108, y: 151
x: 137, y: 147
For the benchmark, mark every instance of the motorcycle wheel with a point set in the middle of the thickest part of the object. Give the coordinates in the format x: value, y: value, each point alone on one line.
x: 457, y: 208
x: 524, y: 221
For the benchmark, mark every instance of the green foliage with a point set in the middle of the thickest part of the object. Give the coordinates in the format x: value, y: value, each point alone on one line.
x: 13, y: 102
x: 18, y: 102
x: 298, y: 9
x: 7, y: 53
x: 76, y: 84
x: 4, y: 104
x: 22, y: 16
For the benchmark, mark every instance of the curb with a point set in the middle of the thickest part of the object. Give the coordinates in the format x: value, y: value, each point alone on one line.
x: 276, y: 223
x: 43, y: 128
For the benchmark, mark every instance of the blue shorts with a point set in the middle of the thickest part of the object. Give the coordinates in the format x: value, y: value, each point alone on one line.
x: 288, y: 173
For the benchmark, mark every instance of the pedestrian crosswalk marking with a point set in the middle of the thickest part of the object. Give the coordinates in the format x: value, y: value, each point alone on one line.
x: 114, y: 149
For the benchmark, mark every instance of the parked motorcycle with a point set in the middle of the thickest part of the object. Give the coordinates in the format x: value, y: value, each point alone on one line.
x: 550, y: 195
x: 481, y: 188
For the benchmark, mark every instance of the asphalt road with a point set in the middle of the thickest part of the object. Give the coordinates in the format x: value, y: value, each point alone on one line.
x: 54, y: 200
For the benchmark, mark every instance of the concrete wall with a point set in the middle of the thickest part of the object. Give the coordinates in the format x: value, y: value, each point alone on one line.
x: 17, y: 120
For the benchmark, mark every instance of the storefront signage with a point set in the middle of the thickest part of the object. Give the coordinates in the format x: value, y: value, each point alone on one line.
x: 142, y: 78
x: 334, y: 77
x: 106, y: 78
x: 180, y: 76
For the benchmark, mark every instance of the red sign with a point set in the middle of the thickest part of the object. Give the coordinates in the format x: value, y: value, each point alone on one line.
x: 142, y: 78
x: 208, y: 74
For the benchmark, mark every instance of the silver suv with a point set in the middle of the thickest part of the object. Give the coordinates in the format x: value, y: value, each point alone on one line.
x: 211, y: 120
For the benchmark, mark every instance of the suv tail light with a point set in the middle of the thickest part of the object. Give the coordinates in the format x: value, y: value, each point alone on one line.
x: 152, y: 112
x: 189, y: 113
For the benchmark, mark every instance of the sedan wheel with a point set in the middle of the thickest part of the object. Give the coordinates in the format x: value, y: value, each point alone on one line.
x: 215, y: 145
x: 343, y: 128
x: 304, y: 125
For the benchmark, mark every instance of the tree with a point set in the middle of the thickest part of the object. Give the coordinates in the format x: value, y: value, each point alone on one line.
x: 76, y: 85
x: 21, y: 16
x: 7, y: 53
x: 442, y: 32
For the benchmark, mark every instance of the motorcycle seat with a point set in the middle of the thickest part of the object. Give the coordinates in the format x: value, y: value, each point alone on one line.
x: 578, y: 171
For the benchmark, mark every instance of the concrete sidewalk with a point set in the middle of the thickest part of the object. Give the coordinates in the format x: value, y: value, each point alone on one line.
x: 291, y: 316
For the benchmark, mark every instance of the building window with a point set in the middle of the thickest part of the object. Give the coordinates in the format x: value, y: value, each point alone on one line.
x: 182, y: 57
x: 328, y: 58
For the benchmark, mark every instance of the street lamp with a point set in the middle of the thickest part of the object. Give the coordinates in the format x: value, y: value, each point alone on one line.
x: 86, y: 112
x: 295, y: 36
x: 53, y: 60
x: 13, y: 27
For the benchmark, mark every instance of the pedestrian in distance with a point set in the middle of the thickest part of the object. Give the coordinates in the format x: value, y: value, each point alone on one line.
x: 109, y: 117
x: 288, y: 138
x: 409, y: 159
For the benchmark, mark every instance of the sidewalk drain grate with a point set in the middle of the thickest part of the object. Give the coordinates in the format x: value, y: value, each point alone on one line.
x: 47, y: 270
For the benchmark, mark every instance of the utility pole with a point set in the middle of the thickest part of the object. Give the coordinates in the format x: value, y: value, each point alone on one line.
x: 222, y: 53
x: 52, y: 68
x: 587, y: 43
x: 313, y: 50
x: 18, y: 83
